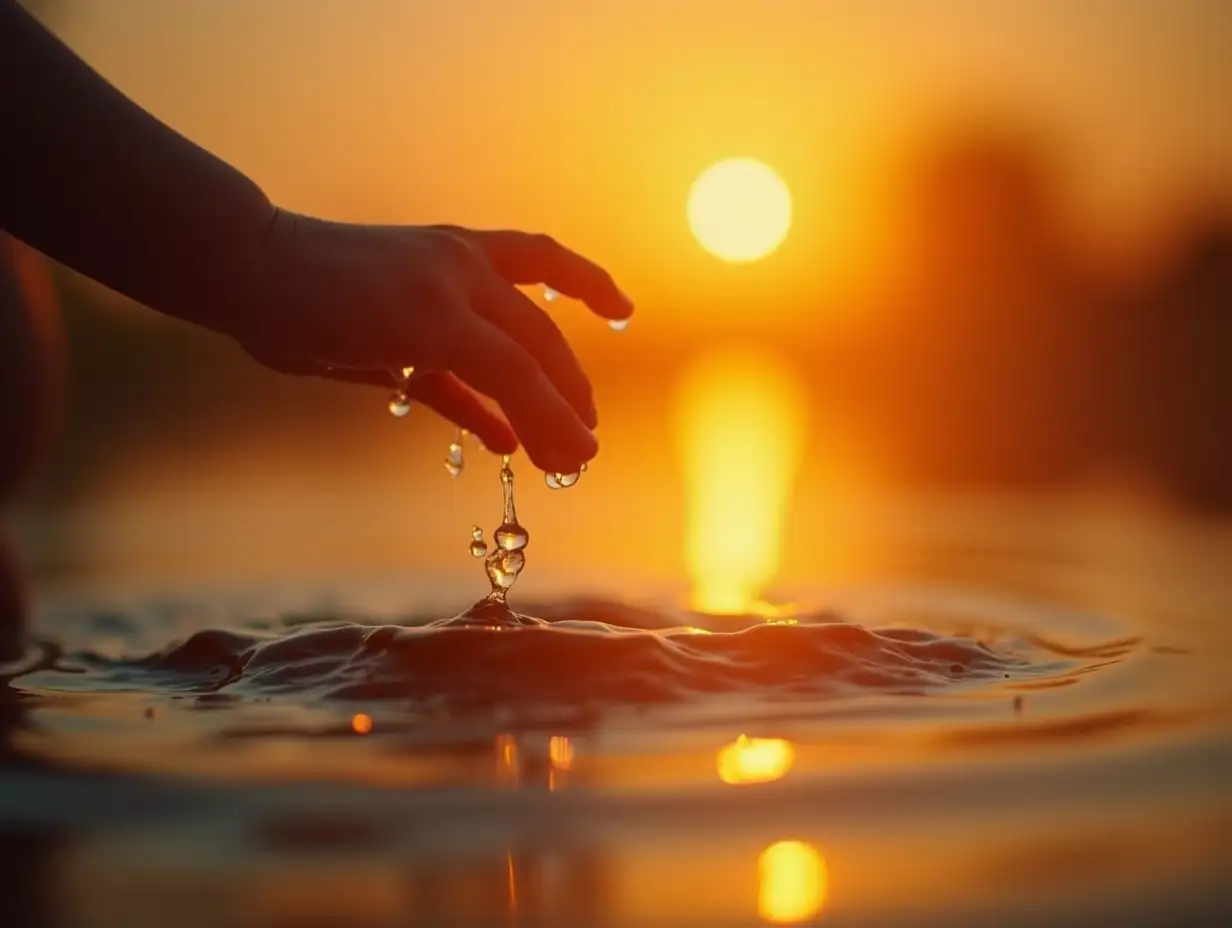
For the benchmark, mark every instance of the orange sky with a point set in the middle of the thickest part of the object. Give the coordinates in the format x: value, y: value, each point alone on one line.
x: 589, y: 118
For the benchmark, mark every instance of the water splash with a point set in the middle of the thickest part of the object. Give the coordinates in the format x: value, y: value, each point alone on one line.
x: 507, y: 559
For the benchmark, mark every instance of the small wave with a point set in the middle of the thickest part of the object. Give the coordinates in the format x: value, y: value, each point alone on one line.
x: 579, y: 654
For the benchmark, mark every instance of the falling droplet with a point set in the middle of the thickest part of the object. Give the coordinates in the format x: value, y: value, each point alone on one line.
x: 618, y: 325
x: 550, y: 295
x: 559, y: 481
x: 454, y: 461
x: 506, y: 559
x: 408, y: 373
x: 503, y: 568
x: 399, y: 404
x: 479, y: 547
x: 511, y: 537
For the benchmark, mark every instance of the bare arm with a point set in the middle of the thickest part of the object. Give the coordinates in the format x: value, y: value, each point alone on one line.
x: 97, y: 183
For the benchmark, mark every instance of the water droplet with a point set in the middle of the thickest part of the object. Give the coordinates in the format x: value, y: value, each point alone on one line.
x: 408, y: 373
x: 454, y: 461
x: 618, y: 325
x: 511, y: 537
x: 506, y: 559
x: 479, y: 548
x: 557, y: 481
x: 503, y: 568
x: 399, y: 404
x: 550, y: 295
x: 476, y: 533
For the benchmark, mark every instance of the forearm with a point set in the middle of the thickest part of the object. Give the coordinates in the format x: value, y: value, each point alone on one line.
x: 95, y: 182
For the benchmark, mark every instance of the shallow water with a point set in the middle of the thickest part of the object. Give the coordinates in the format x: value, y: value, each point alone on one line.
x: 988, y: 733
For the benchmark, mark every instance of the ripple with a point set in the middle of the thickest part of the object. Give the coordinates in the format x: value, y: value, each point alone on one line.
x: 590, y: 654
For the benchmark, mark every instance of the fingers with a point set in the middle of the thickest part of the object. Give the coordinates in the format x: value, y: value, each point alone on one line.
x: 458, y: 403
x: 519, y: 317
x: 525, y: 258
x: 494, y: 363
x: 441, y: 392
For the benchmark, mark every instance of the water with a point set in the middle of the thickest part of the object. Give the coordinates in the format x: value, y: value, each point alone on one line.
x: 989, y: 731
x: 559, y: 481
x: 507, y: 557
x: 399, y: 403
x: 454, y: 459
x: 478, y: 547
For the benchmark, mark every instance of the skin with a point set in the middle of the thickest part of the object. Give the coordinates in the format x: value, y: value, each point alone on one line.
x: 90, y: 179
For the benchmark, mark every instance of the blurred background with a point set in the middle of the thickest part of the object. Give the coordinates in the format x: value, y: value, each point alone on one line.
x: 1009, y: 277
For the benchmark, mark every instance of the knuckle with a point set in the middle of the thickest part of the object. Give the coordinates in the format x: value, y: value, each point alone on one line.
x: 454, y: 248
x: 523, y: 368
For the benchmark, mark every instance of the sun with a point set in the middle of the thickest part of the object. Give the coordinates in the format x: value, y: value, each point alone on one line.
x: 739, y: 209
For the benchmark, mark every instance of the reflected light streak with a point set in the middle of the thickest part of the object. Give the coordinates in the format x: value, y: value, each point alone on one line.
x: 560, y: 751
x: 513, y: 882
x: 740, y: 423
x: 792, y: 882
x: 755, y: 760
x: 508, y: 764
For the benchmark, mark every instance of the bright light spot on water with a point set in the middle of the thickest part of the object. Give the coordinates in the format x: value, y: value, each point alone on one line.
x: 755, y: 760
x: 361, y: 723
x: 508, y: 764
x: 560, y: 750
x: 740, y: 422
x: 792, y: 883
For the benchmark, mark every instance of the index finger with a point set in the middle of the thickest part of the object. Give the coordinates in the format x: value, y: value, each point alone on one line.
x: 528, y: 258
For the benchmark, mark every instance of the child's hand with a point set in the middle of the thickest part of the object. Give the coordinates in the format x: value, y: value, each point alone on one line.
x: 358, y: 302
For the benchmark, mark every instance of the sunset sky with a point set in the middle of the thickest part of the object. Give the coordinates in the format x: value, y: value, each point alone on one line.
x: 590, y: 119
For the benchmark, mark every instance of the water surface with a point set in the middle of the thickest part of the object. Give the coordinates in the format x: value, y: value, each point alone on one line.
x: 990, y: 732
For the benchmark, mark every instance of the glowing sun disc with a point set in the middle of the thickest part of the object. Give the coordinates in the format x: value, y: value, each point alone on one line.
x: 739, y: 209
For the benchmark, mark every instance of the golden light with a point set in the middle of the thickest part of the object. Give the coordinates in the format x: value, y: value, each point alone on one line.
x: 513, y: 881
x: 740, y: 422
x: 361, y: 723
x: 560, y: 752
x: 508, y: 762
x: 739, y: 209
x: 792, y: 882
x: 755, y: 760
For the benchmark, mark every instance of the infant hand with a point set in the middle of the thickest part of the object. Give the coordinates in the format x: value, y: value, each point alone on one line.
x: 357, y: 302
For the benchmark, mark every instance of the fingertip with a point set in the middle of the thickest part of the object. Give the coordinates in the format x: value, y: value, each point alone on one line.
x: 499, y: 440
x: 565, y: 457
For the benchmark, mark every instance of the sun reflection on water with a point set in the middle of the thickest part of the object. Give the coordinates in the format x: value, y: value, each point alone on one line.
x: 508, y: 765
x: 792, y: 882
x: 740, y: 422
x: 755, y: 760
